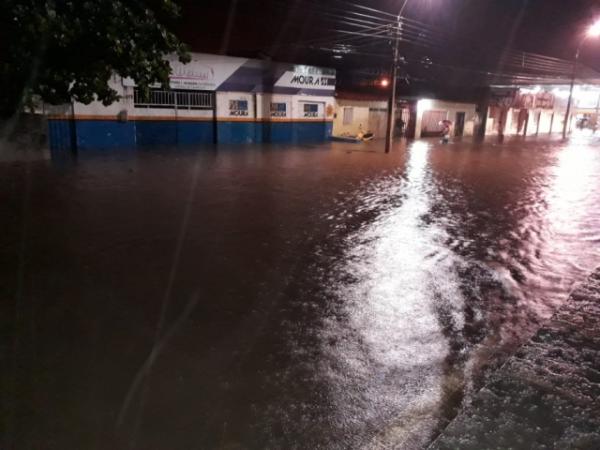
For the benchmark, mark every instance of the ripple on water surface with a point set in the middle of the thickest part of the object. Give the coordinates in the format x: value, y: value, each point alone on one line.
x: 346, y: 298
x: 449, y: 273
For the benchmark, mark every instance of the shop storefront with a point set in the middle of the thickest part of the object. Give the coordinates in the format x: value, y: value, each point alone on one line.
x: 526, y: 110
x: 213, y: 99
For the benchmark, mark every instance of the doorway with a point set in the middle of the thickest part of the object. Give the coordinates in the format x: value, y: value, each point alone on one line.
x: 377, y: 121
x: 432, y: 123
x: 459, y: 128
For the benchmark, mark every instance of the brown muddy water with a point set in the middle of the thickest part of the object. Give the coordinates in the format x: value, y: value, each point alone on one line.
x: 326, y: 297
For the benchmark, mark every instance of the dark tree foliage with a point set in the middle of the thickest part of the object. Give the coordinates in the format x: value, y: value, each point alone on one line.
x: 63, y: 50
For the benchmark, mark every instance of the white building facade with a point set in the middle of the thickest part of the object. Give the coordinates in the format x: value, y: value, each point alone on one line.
x: 212, y: 99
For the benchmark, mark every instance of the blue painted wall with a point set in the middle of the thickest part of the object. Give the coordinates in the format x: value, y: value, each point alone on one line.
x: 239, y: 132
x: 312, y: 131
x: 61, y: 135
x: 155, y: 133
x: 328, y: 130
x: 194, y: 133
x: 169, y: 133
x: 278, y: 132
x: 106, y: 134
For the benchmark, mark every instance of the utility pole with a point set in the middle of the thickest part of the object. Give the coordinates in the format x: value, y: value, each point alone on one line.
x: 573, y: 76
x: 389, y: 137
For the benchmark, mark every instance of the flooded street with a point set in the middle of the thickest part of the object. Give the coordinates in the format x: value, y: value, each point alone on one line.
x: 280, y: 297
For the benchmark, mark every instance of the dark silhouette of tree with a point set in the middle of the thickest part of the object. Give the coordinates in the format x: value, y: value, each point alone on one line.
x: 63, y: 50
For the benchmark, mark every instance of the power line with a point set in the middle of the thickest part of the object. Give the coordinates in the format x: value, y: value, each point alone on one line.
x: 371, y: 26
x: 504, y: 75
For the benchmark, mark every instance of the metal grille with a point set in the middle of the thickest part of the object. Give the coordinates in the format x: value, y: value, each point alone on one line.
x: 173, y: 99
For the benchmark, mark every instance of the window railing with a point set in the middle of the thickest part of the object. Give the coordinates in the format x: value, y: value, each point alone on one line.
x: 157, y: 98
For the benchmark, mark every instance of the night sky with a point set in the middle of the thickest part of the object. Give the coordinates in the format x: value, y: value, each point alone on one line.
x: 472, y: 39
x: 262, y: 27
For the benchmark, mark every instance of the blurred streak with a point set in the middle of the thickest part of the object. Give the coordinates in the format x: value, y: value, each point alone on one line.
x: 228, y: 27
x: 160, y: 340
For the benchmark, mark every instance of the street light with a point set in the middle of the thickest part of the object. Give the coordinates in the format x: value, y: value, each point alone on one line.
x: 592, y: 32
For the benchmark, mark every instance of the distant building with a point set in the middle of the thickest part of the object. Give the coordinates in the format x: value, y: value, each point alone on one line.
x: 432, y: 113
x: 213, y: 99
x: 415, y: 117
x: 529, y: 110
x: 355, y: 113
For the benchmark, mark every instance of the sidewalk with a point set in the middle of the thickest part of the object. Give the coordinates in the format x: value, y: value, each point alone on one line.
x: 547, y: 396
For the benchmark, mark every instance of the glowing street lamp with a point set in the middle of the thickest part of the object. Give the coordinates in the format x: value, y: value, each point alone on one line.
x: 592, y: 32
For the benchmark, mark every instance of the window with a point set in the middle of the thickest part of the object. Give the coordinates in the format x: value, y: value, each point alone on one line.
x: 168, y: 99
x: 278, y: 110
x: 348, y: 116
x: 193, y: 100
x: 311, y: 110
x: 238, y: 107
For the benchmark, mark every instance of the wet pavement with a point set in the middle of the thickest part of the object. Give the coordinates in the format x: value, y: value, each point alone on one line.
x: 546, y: 395
x: 274, y: 297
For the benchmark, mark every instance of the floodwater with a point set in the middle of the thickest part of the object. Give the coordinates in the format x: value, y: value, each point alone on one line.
x: 326, y: 297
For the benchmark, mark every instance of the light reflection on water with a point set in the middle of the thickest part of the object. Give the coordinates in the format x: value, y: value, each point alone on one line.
x: 573, y: 236
x: 425, y: 315
x: 347, y: 298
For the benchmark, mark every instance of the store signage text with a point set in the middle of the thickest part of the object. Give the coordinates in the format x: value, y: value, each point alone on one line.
x: 304, y: 80
x: 238, y: 108
x: 309, y: 80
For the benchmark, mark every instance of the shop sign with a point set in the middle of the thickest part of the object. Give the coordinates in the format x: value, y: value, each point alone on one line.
x: 278, y: 110
x: 311, y: 110
x: 193, y: 76
x: 306, y: 77
x: 203, y: 72
x: 238, y: 108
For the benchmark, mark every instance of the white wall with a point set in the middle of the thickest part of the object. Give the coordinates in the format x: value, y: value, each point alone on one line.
x: 326, y: 107
x: 294, y: 107
x: 360, y: 115
x: 546, y: 122
x: 470, y: 110
x: 111, y: 111
x: 126, y: 103
x: 360, y: 120
x: 264, y: 106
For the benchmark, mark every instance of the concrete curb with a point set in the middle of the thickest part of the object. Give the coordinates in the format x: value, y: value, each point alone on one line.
x: 547, y: 395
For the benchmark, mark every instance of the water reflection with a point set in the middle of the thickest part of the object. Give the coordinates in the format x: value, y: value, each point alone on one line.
x: 448, y: 275
x: 347, y: 299
x: 571, y: 236
x: 403, y: 308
